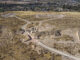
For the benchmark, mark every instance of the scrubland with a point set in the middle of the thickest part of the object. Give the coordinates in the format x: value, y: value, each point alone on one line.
x: 11, y: 46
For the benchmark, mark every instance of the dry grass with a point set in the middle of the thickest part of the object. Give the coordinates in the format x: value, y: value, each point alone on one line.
x: 20, y: 51
x: 64, y: 38
x: 11, y: 23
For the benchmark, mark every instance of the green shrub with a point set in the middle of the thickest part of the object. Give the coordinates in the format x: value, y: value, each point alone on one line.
x: 1, y: 10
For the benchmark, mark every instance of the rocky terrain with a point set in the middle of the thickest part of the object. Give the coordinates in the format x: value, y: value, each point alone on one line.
x: 39, y: 36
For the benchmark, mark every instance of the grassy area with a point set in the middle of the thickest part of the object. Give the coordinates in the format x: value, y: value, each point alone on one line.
x: 64, y: 38
x: 20, y: 51
x: 70, y: 19
x: 11, y: 23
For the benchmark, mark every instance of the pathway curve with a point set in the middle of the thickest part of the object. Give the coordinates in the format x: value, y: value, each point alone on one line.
x: 43, y: 45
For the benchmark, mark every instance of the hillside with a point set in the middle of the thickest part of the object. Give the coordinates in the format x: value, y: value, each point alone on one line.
x: 20, y: 31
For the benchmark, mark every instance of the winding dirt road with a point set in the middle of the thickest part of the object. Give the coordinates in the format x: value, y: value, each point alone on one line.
x: 37, y: 42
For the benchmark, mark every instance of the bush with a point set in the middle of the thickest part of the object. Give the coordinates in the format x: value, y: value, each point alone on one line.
x: 1, y: 10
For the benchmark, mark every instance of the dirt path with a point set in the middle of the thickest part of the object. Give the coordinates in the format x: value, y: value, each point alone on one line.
x: 41, y: 44
x: 57, y: 51
x: 52, y: 49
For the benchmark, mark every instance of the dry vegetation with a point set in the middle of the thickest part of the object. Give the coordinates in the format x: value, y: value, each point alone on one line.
x: 12, y: 48
x: 70, y: 19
